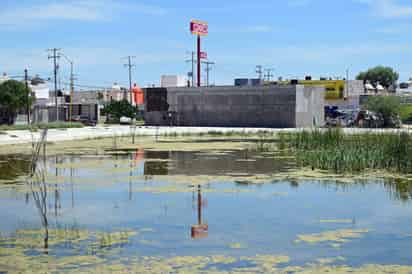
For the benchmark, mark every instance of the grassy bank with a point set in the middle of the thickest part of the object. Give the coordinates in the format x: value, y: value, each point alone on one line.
x: 55, y: 125
x: 333, y: 150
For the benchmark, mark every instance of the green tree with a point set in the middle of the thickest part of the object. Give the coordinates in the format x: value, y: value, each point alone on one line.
x: 117, y: 109
x: 388, y: 106
x: 14, y: 96
x: 385, y: 76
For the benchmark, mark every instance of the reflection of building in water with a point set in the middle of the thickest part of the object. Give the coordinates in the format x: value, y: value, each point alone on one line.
x: 200, y: 230
x: 212, y: 163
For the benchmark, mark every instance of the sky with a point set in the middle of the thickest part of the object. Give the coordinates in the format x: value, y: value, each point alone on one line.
x: 293, y: 37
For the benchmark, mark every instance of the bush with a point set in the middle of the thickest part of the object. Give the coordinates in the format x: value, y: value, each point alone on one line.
x: 406, y: 113
x: 117, y: 109
x: 387, y: 106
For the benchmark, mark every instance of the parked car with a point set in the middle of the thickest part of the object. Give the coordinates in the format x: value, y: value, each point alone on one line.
x: 125, y: 120
x: 339, y: 118
x: 85, y: 120
x: 369, y: 119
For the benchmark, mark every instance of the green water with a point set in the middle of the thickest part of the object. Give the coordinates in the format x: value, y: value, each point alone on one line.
x: 147, y: 210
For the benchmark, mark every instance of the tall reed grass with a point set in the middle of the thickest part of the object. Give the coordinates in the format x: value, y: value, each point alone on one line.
x: 335, y: 151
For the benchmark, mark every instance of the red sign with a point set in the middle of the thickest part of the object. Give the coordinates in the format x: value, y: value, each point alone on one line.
x: 203, y: 55
x: 199, y: 28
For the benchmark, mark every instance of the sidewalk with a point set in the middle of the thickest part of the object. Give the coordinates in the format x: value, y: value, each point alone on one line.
x: 56, y: 135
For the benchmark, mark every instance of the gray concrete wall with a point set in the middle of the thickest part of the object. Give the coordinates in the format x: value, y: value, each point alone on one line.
x: 237, y: 107
x: 310, y: 106
x: 269, y: 106
x: 355, y: 88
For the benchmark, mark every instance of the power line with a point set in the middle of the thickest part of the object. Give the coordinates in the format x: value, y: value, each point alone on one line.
x: 129, y: 65
x: 55, y: 56
x: 88, y: 86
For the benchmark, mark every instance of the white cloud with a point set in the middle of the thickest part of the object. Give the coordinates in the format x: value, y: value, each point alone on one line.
x: 36, y: 59
x: 388, y: 8
x: 75, y: 10
x: 395, y: 29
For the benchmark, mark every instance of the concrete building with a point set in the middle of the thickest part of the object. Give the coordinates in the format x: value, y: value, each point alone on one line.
x: 286, y: 106
x: 172, y: 81
x: 41, y: 91
x: 352, y: 91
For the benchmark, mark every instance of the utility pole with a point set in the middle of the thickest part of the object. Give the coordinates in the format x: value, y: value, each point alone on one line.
x: 71, y: 91
x: 129, y: 65
x: 208, y: 69
x: 347, y: 84
x: 193, y: 67
x: 268, y: 74
x: 55, y: 56
x: 259, y: 71
x: 26, y: 81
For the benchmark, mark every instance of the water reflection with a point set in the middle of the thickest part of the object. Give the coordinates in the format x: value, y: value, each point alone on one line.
x: 171, y: 163
x: 200, y: 230
x: 38, y: 186
x: 11, y: 167
x: 95, y: 193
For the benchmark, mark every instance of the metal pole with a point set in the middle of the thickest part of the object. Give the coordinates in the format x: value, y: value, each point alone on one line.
x: 199, y: 205
x: 207, y: 74
x: 347, y: 83
x: 198, y: 62
x: 26, y: 79
x: 71, y: 91
x: 193, y: 68
x: 130, y: 80
x: 55, y: 83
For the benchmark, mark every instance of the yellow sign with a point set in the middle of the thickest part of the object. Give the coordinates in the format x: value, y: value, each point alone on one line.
x: 334, y: 89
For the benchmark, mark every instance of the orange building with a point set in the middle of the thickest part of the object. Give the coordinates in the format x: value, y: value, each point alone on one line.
x: 138, y: 95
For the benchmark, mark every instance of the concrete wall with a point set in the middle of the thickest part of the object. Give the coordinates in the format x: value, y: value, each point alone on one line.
x: 44, y: 114
x: 355, y: 88
x: 269, y: 106
x: 310, y: 106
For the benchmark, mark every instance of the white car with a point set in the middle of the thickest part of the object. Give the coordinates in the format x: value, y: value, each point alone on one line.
x: 125, y: 120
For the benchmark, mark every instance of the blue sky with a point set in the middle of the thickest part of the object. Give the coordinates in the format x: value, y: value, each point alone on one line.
x: 294, y: 37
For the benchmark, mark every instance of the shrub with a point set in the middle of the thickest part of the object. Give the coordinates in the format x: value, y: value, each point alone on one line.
x: 388, y: 106
x: 406, y: 113
x: 117, y: 109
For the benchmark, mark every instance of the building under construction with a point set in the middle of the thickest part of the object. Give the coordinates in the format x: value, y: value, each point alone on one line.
x: 285, y: 106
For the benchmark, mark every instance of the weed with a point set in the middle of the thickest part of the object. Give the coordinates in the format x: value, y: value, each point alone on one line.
x: 335, y: 151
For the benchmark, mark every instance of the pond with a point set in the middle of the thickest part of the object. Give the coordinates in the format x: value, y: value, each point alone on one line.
x: 161, y: 211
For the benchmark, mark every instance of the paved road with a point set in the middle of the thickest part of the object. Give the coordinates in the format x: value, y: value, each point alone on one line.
x: 56, y: 135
